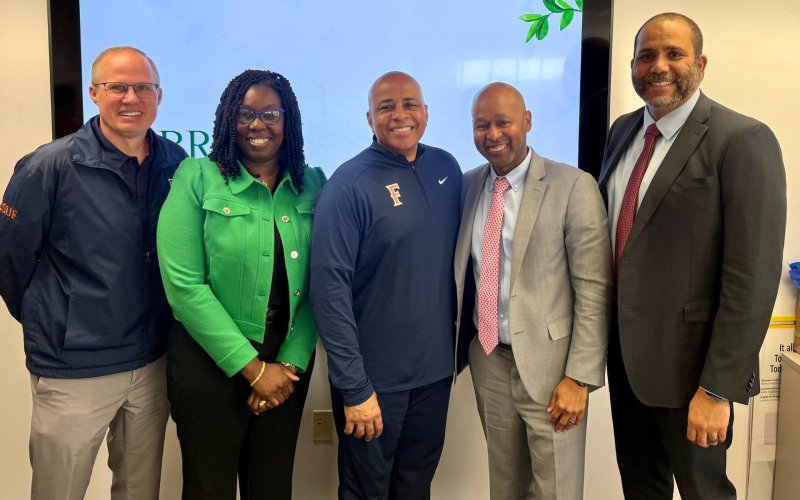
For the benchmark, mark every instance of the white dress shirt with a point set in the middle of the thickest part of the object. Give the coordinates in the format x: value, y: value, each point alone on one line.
x: 513, y: 200
x: 669, y: 126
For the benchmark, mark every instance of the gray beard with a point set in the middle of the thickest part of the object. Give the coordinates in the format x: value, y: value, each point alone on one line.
x: 685, y: 87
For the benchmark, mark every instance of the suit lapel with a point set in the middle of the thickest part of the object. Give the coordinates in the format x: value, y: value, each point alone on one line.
x: 685, y: 144
x: 534, y: 189
x: 472, y: 192
x: 628, y: 131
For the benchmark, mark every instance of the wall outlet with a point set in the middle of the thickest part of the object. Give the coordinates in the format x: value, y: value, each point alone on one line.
x: 323, y: 426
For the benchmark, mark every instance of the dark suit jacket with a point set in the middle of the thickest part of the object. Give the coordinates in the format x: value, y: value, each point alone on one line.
x: 699, y: 275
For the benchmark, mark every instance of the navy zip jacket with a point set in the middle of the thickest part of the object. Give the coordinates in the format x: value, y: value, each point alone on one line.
x: 382, y: 288
x: 77, y: 254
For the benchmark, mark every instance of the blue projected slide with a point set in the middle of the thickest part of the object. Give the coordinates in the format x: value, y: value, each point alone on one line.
x: 331, y: 52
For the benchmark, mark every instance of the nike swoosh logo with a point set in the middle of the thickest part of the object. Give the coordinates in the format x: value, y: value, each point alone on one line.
x: 442, y: 181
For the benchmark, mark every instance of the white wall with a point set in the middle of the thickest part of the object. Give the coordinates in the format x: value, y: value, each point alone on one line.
x: 754, y: 66
x: 24, y: 124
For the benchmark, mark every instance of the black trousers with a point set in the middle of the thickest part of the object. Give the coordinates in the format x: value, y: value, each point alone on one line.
x: 220, y: 439
x: 401, y: 463
x: 652, y: 447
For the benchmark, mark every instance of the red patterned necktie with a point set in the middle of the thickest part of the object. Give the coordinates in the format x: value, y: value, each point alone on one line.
x: 627, y: 211
x: 490, y: 268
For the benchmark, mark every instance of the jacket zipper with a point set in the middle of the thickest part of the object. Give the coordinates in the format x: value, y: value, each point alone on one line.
x: 421, y: 185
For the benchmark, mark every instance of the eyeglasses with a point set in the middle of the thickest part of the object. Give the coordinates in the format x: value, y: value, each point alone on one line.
x: 245, y: 116
x: 118, y: 90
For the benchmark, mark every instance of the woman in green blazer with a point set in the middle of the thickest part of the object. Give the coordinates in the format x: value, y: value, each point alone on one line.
x: 233, y: 246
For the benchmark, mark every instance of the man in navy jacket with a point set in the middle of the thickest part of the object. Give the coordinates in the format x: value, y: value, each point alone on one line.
x: 79, y: 271
x: 383, y: 297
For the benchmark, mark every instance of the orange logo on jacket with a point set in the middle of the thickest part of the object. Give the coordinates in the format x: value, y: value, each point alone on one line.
x: 11, y: 213
x: 394, y: 192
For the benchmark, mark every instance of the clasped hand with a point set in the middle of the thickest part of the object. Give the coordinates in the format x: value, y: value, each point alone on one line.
x: 274, y: 387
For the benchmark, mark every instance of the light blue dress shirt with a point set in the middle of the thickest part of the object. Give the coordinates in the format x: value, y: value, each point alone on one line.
x: 513, y: 200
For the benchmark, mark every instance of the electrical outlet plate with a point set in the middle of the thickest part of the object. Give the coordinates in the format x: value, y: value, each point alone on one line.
x: 323, y: 426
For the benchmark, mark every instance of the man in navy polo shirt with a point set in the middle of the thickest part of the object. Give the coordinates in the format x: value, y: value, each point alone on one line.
x: 383, y: 296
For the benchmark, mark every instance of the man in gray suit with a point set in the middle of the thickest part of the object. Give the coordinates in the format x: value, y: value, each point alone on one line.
x: 696, y: 197
x: 533, y: 253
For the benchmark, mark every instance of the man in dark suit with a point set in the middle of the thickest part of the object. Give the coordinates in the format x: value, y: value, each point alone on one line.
x: 696, y: 198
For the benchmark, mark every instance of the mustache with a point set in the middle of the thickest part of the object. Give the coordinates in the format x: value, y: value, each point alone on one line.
x: 661, y: 77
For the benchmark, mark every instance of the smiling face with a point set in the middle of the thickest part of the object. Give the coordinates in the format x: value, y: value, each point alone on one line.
x: 259, y: 144
x: 500, y: 124
x: 665, y: 71
x: 397, y: 113
x: 129, y: 117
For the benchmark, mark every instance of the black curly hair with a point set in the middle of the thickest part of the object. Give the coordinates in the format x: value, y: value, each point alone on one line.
x: 223, y: 148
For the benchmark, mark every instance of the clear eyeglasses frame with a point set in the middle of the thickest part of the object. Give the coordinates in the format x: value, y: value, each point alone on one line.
x: 118, y: 90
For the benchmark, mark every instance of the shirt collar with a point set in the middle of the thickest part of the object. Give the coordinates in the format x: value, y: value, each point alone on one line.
x: 245, y: 180
x: 671, y: 123
x: 376, y: 146
x: 516, y: 178
x: 112, y: 156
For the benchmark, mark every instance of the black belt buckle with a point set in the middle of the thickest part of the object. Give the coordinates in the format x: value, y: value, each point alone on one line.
x: 272, y: 315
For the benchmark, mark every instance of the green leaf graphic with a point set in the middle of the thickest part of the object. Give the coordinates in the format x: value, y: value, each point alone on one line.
x: 566, y: 18
x: 552, y: 7
x: 540, y: 23
x: 532, y: 31
x: 544, y: 27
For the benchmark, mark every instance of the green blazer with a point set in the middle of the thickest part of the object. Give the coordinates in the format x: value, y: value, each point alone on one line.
x: 215, y: 251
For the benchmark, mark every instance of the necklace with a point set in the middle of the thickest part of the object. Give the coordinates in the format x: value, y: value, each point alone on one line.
x: 268, y: 181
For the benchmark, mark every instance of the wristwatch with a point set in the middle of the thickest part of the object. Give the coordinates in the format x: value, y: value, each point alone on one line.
x: 714, y: 397
x: 288, y: 365
x: 580, y: 384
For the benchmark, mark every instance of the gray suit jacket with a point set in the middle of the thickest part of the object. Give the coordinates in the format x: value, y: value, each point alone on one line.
x: 561, y: 282
x: 698, y: 278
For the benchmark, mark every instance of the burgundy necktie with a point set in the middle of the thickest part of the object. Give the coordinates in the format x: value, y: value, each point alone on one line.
x: 627, y: 211
x: 490, y: 268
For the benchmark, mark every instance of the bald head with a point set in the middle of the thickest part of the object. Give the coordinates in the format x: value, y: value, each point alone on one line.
x: 96, y: 65
x: 393, y: 78
x: 501, y: 89
x: 397, y: 113
x: 500, y: 124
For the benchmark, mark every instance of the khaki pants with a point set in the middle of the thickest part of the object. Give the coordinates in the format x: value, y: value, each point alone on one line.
x: 70, y: 419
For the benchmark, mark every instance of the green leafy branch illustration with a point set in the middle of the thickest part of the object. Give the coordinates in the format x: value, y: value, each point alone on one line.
x: 540, y: 23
